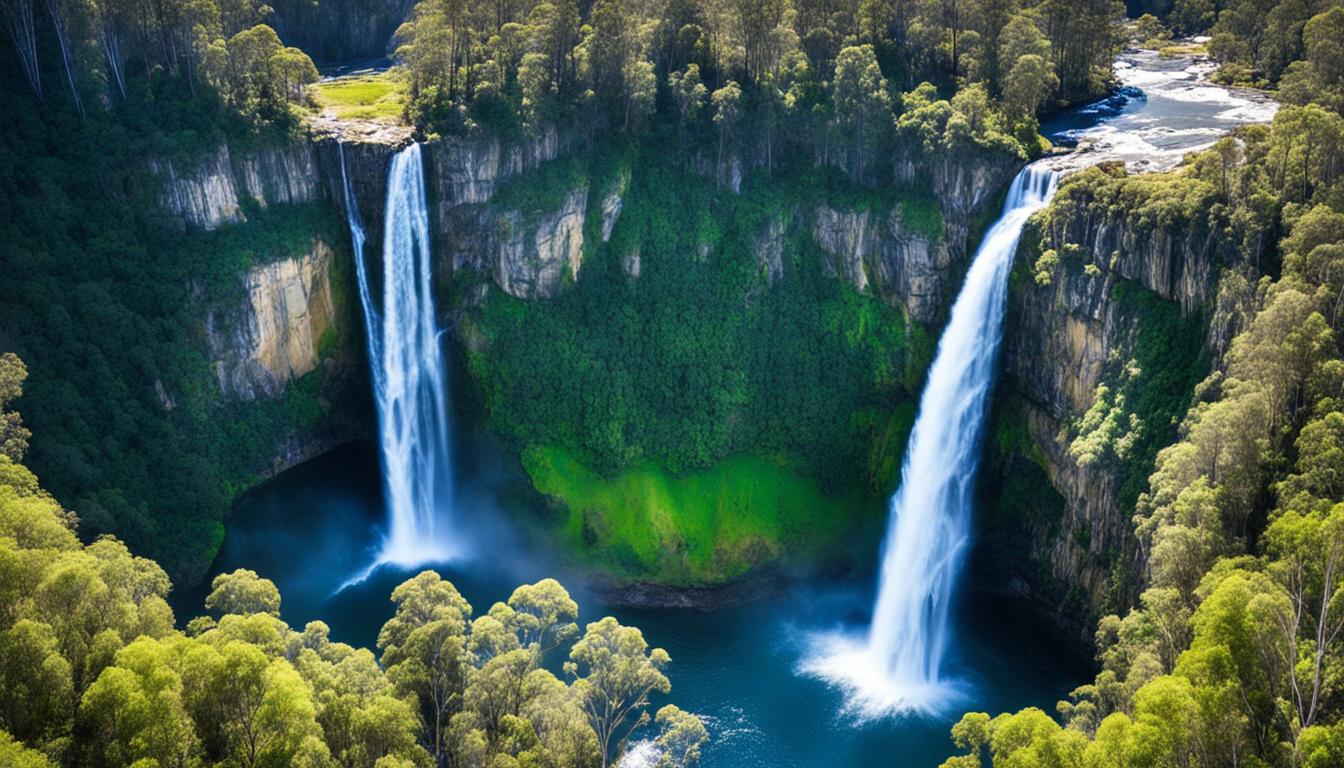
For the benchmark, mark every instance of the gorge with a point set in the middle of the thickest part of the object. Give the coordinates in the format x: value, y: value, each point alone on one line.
x: 900, y: 667
x: 969, y: 662
x: 706, y: 385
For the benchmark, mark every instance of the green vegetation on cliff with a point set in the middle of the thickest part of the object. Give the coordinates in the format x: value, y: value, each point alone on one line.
x: 107, y: 304
x: 702, y: 527
x: 731, y: 357
x: 1231, y: 654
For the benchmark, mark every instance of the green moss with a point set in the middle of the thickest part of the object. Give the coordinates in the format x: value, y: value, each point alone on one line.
x: 921, y: 214
x: 543, y: 190
x: 703, y: 527
x: 1015, y: 490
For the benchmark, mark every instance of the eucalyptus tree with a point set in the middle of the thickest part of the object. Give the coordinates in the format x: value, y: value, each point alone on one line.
x: 614, y: 672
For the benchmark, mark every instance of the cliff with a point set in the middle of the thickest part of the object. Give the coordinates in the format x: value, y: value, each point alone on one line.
x: 527, y: 244
x: 273, y: 335
x: 208, y: 192
x: 277, y: 327
x: 1108, y: 330
x: 878, y: 252
x: 340, y: 30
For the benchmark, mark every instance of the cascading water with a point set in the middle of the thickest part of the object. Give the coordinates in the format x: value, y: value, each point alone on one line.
x: 898, y: 665
x: 407, y: 368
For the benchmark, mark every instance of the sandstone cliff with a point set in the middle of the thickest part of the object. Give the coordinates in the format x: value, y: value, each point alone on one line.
x: 878, y: 252
x: 273, y: 335
x: 528, y: 248
x: 209, y: 192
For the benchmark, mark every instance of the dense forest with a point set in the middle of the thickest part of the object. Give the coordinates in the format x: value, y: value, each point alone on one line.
x: 818, y: 76
x: 94, y: 672
x: 1232, y: 655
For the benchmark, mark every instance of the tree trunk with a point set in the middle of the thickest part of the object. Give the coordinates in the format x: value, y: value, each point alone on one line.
x: 19, y: 20
x: 111, y: 44
x: 62, y: 28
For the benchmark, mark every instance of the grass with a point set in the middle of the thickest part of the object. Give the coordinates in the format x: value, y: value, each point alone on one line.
x: 1183, y: 49
x: 365, y: 97
x: 704, y: 527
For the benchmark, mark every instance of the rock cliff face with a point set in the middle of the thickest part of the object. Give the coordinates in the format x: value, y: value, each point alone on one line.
x: 527, y: 252
x: 283, y: 319
x: 468, y: 171
x: 532, y: 259
x: 208, y: 192
x: 1060, y: 339
x: 1071, y: 328
x: 880, y: 252
x: 272, y: 337
x: 877, y: 252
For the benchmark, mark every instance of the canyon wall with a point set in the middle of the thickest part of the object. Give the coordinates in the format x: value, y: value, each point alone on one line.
x: 1112, y: 311
x: 340, y: 30
x: 208, y: 192
x: 272, y: 337
x: 280, y: 334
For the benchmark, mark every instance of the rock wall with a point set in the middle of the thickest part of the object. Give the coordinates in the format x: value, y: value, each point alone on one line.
x: 266, y: 330
x: 208, y: 192
x: 877, y: 252
x: 527, y: 253
x: 272, y: 336
x: 532, y: 259
x: 1058, y: 342
x: 1066, y: 331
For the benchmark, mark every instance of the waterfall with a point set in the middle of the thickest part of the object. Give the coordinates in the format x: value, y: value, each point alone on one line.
x: 899, y: 664
x: 407, y: 368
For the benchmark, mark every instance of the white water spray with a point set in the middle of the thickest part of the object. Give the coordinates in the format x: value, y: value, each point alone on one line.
x: 898, y: 666
x: 407, y: 369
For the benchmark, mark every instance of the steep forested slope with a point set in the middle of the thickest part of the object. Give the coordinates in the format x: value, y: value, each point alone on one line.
x: 1224, y: 647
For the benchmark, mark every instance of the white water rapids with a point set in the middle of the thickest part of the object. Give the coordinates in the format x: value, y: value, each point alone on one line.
x: 410, y: 385
x: 898, y: 666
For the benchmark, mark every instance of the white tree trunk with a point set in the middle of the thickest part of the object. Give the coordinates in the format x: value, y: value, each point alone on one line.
x: 23, y: 31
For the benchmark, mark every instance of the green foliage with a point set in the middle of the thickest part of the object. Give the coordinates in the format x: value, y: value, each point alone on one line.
x: 698, y: 359
x: 1233, y: 653
x: 92, y: 671
x: 1138, y: 404
x: 699, y: 368
x: 802, y: 78
x: 106, y: 305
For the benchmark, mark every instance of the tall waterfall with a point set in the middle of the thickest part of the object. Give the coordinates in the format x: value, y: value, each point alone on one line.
x: 899, y: 664
x: 407, y: 368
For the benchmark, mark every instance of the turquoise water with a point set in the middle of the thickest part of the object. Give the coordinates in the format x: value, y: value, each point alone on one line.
x: 313, y: 527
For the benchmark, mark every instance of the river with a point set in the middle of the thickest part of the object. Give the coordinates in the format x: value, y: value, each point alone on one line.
x: 313, y: 527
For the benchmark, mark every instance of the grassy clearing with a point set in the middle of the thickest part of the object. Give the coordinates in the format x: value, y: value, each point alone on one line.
x: 1183, y: 49
x: 704, y: 527
x: 366, y: 97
